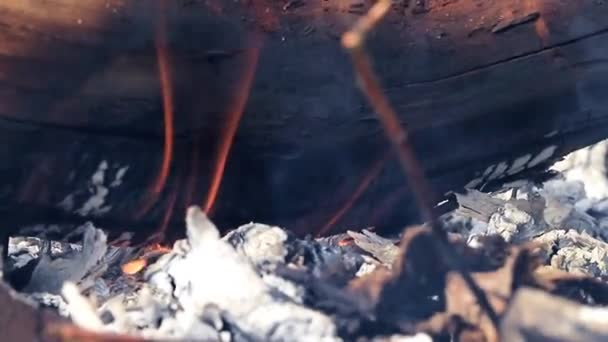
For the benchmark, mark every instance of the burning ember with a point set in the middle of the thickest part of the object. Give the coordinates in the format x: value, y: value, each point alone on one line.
x: 153, y: 251
x: 133, y: 267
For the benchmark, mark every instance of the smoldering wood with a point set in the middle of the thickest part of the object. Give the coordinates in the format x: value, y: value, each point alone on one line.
x: 80, y: 95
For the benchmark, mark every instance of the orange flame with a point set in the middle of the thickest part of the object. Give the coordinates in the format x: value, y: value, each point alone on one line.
x: 167, y: 95
x: 134, y: 266
x: 346, y: 242
x: 164, y: 70
x: 369, y: 177
x: 232, y: 123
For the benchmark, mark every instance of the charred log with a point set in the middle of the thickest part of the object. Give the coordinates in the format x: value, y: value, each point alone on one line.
x: 488, y: 90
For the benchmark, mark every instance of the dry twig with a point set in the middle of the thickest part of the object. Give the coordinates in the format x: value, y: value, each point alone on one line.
x: 353, y: 41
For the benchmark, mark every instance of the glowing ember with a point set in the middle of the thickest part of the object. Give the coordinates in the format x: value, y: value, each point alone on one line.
x: 234, y: 116
x: 346, y: 242
x: 157, y: 248
x: 369, y: 177
x: 134, y: 266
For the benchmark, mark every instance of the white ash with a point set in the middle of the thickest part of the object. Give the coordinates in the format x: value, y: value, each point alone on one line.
x: 568, y: 215
x: 81, y: 310
x: 562, y: 203
x: 575, y: 252
x: 228, y: 280
x: 257, y: 283
x: 510, y: 222
x: 50, y: 273
x: 261, y: 243
x: 420, y: 337
x: 587, y: 165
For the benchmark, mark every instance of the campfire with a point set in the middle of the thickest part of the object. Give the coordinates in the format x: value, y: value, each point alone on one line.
x: 368, y: 170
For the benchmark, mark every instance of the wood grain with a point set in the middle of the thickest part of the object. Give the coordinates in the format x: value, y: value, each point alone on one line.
x: 79, y: 85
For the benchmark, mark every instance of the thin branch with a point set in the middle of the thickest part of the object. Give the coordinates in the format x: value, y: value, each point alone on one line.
x: 353, y: 41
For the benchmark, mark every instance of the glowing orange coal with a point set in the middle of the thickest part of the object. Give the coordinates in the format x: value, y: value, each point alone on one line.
x: 136, y: 265
x: 233, y: 117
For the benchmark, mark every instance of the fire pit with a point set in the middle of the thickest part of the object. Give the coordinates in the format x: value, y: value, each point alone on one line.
x: 128, y: 113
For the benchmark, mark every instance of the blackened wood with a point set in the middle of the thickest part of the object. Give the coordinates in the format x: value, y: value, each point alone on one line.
x: 79, y: 86
x: 21, y: 320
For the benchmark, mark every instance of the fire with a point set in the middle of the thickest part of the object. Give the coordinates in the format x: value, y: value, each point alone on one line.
x: 135, y: 266
x: 157, y: 248
x: 346, y: 242
x: 233, y: 118
x: 167, y: 96
x: 164, y: 69
x: 369, y: 177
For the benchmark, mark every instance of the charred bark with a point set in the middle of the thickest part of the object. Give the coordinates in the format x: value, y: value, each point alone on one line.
x: 488, y: 89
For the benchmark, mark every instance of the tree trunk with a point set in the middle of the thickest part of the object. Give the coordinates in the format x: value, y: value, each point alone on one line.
x: 487, y: 89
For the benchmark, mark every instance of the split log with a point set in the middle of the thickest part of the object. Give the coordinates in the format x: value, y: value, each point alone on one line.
x: 488, y: 89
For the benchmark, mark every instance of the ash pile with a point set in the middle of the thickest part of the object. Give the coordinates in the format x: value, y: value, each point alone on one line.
x: 537, y: 254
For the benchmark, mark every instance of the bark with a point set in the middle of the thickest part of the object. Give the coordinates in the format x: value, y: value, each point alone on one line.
x: 487, y: 89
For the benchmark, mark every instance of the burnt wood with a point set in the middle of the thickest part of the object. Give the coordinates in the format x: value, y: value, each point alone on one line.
x: 488, y: 90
